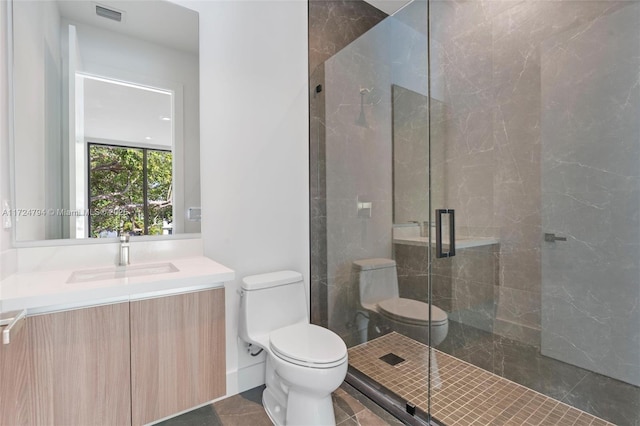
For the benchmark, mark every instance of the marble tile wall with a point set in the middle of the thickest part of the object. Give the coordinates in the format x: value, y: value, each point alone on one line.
x: 318, y: 195
x: 333, y: 24
x: 591, y: 192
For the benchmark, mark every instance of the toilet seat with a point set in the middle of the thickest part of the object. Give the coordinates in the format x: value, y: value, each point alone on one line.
x: 411, y: 311
x: 308, y: 345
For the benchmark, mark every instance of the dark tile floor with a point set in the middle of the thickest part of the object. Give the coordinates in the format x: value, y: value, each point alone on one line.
x: 607, y: 398
x: 350, y: 406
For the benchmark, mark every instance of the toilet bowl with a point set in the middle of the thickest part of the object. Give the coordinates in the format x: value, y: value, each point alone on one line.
x: 384, y: 309
x: 305, y: 362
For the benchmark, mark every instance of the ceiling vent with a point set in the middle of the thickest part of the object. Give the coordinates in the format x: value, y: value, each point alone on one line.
x: 108, y: 13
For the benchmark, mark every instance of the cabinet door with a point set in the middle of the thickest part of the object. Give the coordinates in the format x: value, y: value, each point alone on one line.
x: 15, y: 380
x: 177, y: 353
x: 81, y: 363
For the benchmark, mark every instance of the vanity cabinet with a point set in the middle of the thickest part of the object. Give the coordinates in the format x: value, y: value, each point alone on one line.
x: 15, y: 380
x: 119, y: 364
x: 81, y: 366
x: 177, y: 353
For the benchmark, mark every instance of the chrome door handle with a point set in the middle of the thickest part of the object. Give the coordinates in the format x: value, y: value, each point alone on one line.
x: 12, y: 323
x: 550, y: 238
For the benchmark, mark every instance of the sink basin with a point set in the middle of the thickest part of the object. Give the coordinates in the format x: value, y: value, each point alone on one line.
x: 116, y: 272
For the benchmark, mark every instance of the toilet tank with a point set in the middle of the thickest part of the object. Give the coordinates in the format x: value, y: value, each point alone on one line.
x: 377, y: 280
x: 269, y: 302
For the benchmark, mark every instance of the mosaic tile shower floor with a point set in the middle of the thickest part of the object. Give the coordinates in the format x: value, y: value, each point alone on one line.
x: 462, y: 394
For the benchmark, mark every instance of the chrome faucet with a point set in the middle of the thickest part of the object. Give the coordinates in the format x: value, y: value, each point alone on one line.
x: 124, y: 250
x: 424, y: 227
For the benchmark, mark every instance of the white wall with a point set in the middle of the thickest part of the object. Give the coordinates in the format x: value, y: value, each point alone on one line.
x: 5, y: 235
x: 254, y: 148
x: 7, y: 260
x: 36, y: 24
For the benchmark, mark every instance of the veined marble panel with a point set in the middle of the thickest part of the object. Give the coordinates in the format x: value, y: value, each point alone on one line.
x: 333, y: 24
x: 590, y: 136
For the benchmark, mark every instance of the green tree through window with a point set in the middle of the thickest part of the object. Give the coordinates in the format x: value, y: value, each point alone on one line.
x: 130, y: 191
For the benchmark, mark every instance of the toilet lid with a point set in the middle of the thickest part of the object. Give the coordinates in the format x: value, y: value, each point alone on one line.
x: 308, y: 344
x: 412, y: 311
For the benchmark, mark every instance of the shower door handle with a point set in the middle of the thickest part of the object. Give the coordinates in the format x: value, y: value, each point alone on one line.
x: 452, y: 233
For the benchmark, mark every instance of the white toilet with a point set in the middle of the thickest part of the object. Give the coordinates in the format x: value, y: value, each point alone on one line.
x: 379, y: 296
x: 305, y: 362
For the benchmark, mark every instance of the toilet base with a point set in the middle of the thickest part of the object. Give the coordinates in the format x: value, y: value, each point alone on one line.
x: 274, y: 410
x: 300, y: 396
x: 308, y: 410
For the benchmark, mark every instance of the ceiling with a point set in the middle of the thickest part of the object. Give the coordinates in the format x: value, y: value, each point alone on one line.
x: 159, y: 22
x: 126, y: 113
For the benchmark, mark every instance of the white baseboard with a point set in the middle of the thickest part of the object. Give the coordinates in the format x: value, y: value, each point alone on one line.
x: 245, y: 378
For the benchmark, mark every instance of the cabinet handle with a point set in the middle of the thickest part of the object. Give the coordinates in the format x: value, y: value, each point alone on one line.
x: 12, y: 324
x: 452, y: 233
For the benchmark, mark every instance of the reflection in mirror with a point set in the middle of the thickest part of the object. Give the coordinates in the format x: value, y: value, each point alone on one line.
x: 412, y: 154
x: 106, y: 119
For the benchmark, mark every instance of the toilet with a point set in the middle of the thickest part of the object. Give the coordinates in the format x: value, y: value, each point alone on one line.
x: 384, y: 308
x: 305, y: 362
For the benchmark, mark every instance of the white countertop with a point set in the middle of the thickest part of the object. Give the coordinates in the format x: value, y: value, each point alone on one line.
x: 460, y: 244
x: 49, y: 291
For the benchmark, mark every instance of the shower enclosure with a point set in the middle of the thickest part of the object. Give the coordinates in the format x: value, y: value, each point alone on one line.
x: 522, y: 118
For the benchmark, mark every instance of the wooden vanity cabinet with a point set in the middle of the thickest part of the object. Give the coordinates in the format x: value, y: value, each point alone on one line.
x: 119, y: 364
x: 15, y: 380
x: 177, y: 353
x: 81, y: 366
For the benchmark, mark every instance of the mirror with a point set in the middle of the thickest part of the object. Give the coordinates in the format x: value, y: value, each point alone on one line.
x: 105, y: 119
x: 413, y: 157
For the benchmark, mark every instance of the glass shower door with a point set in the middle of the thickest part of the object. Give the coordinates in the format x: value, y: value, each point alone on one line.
x: 521, y: 117
x: 370, y: 247
x: 535, y: 143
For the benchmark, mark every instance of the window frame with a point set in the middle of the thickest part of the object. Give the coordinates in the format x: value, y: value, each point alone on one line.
x: 145, y: 177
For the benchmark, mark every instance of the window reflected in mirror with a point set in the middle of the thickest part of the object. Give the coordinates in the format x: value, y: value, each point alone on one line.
x: 130, y: 191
